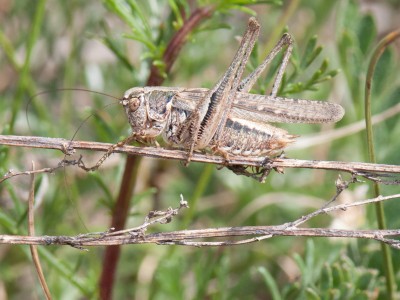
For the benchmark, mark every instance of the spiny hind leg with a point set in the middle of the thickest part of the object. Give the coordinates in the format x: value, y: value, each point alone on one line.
x: 247, y: 83
x: 211, y: 112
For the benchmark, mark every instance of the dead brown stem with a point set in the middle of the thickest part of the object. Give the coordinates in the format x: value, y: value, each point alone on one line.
x: 31, y: 232
x: 185, y: 237
x: 376, y: 172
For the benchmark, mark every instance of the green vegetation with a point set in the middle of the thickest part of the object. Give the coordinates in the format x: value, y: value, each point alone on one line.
x: 112, y: 46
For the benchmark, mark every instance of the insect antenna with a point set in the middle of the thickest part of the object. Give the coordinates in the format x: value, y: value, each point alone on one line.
x: 61, y: 90
x: 93, y: 113
x: 88, y: 117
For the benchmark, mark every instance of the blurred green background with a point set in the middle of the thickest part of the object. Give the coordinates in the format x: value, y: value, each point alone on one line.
x: 110, y: 46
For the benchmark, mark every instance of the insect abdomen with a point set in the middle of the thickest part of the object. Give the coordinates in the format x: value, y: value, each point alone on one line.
x: 246, y: 138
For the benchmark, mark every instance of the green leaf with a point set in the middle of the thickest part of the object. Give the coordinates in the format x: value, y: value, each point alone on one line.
x: 326, y: 281
x: 312, y: 294
x: 137, y: 10
x: 333, y: 73
x: 116, y: 49
x: 337, y: 274
x: 308, y: 52
x: 270, y: 283
x: 366, y: 33
x: 324, y: 66
x: 367, y: 280
x: 381, y: 78
x: 178, y: 23
x: 334, y: 294
x: 8, y: 223
x: 144, y: 40
x: 108, y: 201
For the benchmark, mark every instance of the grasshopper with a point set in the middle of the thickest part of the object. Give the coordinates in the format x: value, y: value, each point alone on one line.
x: 225, y: 119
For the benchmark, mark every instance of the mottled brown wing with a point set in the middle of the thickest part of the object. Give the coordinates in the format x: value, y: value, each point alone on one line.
x: 261, y: 109
x: 188, y: 99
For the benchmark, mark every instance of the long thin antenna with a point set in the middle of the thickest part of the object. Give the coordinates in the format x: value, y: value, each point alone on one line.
x: 61, y: 90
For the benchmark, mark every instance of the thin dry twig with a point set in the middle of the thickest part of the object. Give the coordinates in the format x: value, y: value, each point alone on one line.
x: 186, y: 237
x: 31, y: 232
x: 61, y: 164
x: 380, y: 173
x: 341, y: 185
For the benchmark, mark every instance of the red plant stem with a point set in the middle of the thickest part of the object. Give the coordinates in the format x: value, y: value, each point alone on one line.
x: 176, y: 43
x: 122, y: 205
x: 119, y: 217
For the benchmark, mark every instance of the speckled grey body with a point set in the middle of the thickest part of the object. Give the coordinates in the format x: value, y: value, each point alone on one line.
x: 225, y: 119
x: 155, y: 111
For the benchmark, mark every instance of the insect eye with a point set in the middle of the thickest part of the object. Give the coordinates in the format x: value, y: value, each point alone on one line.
x: 134, y: 104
